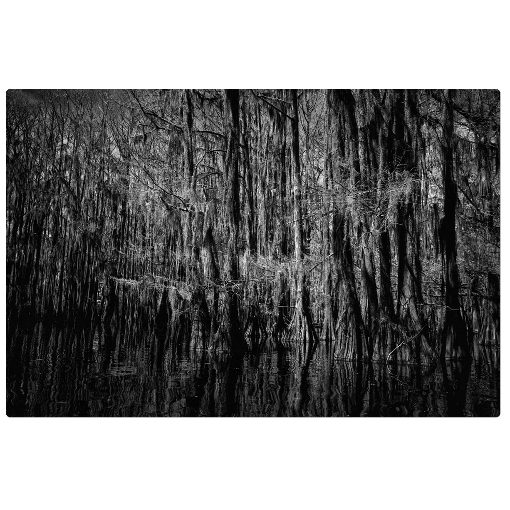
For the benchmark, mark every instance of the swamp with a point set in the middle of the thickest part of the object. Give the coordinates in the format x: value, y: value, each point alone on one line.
x: 253, y: 253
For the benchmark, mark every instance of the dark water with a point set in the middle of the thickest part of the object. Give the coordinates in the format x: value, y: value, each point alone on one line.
x: 55, y: 371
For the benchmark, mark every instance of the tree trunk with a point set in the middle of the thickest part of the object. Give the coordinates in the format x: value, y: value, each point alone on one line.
x: 233, y: 215
x: 300, y: 326
x: 352, y: 347
x: 454, y: 337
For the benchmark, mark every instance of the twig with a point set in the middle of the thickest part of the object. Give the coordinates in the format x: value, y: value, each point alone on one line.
x: 272, y: 105
x: 405, y: 342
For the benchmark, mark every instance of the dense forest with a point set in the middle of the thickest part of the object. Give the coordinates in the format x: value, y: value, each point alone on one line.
x: 244, y: 220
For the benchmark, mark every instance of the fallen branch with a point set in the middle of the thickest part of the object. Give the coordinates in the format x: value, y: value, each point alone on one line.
x: 406, y: 341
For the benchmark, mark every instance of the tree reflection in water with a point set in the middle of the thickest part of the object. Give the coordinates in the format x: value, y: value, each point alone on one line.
x: 54, y: 371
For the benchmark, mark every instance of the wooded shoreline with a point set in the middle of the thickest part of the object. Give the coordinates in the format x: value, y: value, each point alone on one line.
x: 241, y: 219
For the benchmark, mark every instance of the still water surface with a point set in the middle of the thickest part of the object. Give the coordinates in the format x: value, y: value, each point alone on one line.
x: 54, y: 371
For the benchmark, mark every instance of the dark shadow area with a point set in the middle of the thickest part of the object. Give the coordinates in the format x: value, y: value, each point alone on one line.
x: 60, y: 371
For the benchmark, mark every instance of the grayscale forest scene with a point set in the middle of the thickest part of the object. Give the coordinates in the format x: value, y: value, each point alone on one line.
x: 258, y: 253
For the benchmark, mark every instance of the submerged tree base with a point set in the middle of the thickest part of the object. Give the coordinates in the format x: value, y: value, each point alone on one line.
x: 63, y: 371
